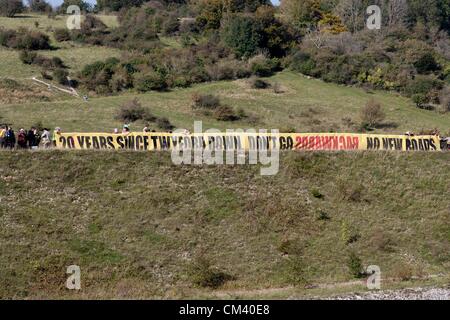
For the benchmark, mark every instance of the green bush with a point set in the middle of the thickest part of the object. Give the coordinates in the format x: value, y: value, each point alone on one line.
x: 204, y: 275
x: 164, y: 124
x: 426, y: 64
x: 419, y: 99
x: 132, y: 111
x: 302, y: 62
x: 61, y: 34
x: 144, y: 82
x: 257, y: 83
x: 61, y: 75
x: 27, y: 57
x: 354, y: 265
x: 205, y: 101
x: 262, y: 66
x: 24, y: 39
x: 240, y: 34
x: 372, y: 114
x: 422, y: 84
x: 225, y: 113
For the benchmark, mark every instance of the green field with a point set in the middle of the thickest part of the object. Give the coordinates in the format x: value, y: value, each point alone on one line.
x: 136, y: 224
x: 306, y: 105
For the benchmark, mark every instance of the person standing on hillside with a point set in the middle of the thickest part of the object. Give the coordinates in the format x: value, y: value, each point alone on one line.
x: 55, y: 136
x: 45, y: 139
x: 22, y: 139
x: 10, y: 138
x: 2, y: 136
x: 33, y: 138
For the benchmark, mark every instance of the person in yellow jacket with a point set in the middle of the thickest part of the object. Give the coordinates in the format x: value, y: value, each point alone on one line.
x: 55, y: 135
x: 2, y: 136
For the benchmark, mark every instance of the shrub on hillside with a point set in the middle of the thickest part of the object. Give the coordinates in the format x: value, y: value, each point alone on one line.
x: 30, y: 57
x: 263, y: 66
x: 132, y: 111
x: 61, y: 34
x: 422, y: 84
x: 426, y: 63
x: 372, y: 114
x: 419, y: 99
x: 164, y: 124
x: 354, y: 265
x: 225, y: 113
x: 27, y: 57
x: 204, y: 275
x: 444, y: 98
x: 240, y: 34
x: 257, y: 83
x: 24, y: 39
x: 147, y: 81
x: 61, y: 75
x: 205, y: 101
x: 302, y: 62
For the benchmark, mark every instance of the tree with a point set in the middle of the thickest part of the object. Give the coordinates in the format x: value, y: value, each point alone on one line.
x: 39, y: 6
x: 301, y: 13
x: 431, y: 13
x: 84, y: 6
x: 240, y: 33
x: 275, y: 36
x: 396, y: 11
x: 9, y: 8
x: 210, y: 13
x: 116, y: 5
x: 372, y: 114
x: 351, y: 13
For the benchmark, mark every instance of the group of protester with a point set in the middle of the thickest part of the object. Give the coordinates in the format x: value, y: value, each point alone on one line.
x: 27, y: 139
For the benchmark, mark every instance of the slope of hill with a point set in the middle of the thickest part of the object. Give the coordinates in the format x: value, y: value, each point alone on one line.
x: 306, y: 105
x: 141, y: 227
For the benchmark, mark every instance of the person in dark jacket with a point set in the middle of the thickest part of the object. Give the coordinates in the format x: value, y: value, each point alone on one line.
x: 10, y: 138
x: 33, y: 138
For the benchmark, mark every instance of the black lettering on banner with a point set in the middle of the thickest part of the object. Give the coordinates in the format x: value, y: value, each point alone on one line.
x: 392, y: 144
x: 62, y: 141
x: 102, y: 142
x: 71, y: 142
x: 154, y: 141
x: 139, y: 143
x: 129, y: 142
x: 95, y: 142
x: 164, y: 142
x: 120, y: 142
x: 88, y: 142
x: 432, y: 144
x: 373, y: 143
x: 81, y: 141
x: 110, y: 142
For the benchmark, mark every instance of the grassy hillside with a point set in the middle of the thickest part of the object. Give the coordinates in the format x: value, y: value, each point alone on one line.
x: 139, y: 226
x: 306, y: 105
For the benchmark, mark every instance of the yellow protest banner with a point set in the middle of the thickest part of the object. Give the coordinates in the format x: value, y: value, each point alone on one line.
x: 247, y: 141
